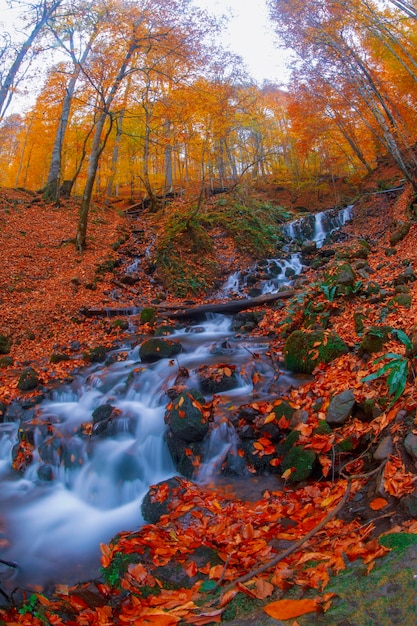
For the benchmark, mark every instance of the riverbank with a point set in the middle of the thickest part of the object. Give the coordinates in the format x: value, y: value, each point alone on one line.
x: 377, y: 507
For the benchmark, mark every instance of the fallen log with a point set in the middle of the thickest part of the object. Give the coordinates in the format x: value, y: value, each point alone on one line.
x: 231, y: 307
x: 192, y: 312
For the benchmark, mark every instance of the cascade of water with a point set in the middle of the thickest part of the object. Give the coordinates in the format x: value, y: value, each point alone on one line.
x: 85, y: 485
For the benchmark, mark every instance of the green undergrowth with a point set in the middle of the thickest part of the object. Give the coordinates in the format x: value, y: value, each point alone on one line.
x: 185, y: 255
x: 385, y: 596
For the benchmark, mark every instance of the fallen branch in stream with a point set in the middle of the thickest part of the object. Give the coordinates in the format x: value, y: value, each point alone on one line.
x: 192, y: 312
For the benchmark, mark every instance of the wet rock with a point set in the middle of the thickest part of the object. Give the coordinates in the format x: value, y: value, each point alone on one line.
x: 28, y: 380
x: 341, y: 408
x: 3, y: 409
x: 300, y: 461
x: 148, y: 315
x: 96, y: 355
x: 5, y: 344
x: 185, y: 455
x: 185, y: 417
x: 217, y: 378
x: 45, y: 473
x: 303, y: 351
x: 109, y: 422
x: 384, y: 449
x: 308, y: 246
x: 157, y: 348
x: 410, y: 444
x: 158, y: 499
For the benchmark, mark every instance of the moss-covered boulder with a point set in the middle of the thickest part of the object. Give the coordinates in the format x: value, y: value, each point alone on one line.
x: 5, y: 344
x: 6, y: 361
x: 303, y: 351
x: 158, y: 348
x: 185, y: 417
x: 28, y: 380
x: 374, y: 339
x: 400, y: 232
x: 96, y: 355
x: 148, y: 315
x: 300, y: 461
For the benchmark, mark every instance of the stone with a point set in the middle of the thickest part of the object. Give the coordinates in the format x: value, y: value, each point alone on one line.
x: 28, y: 380
x: 158, y: 348
x: 410, y: 444
x: 158, y: 499
x: 303, y: 351
x: 341, y: 407
x: 299, y: 460
x: 185, y: 417
x: 384, y: 449
x: 5, y: 344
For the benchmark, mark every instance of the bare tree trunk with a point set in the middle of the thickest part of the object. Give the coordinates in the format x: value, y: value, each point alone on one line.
x: 45, y: 10
x: 52, y: 188
x: 98, y: 147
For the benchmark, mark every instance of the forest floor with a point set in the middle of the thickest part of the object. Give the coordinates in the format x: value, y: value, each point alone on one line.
x: 44, y: 287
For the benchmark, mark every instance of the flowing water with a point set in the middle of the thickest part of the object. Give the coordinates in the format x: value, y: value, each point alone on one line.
x: 81, y: 489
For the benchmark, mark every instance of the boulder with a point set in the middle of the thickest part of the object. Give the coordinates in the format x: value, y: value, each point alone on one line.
x: 340, y: 408
x: 303, y: 351
x: 158, y: 499
x: 185, y: 417
x: 300, y: 461
x: 158, y: 348
x: 28, y: 380
x: 217, y: 378
x: 5, y: 344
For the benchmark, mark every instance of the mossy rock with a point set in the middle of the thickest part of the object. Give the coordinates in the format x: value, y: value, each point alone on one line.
x: 359, y: 250
x: 58, y: 357
x: 28, y: 380
x: 401, y: 299
x: 185, y: 416
x: 303, y: 351
x: 283, y: 409
x: 5, y: 344
x: 157, y: 348
x: 96, y: 355
x: 322, y: 428
x: 148, y: 315
x: 6, y: 361
x: 120, y: 324
x: 158, y: 499
x: 301, y: 461
x: 374, y: 339
x: 399, y: 233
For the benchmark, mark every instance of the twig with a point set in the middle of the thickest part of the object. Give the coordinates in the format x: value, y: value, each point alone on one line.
x: 294, y: 547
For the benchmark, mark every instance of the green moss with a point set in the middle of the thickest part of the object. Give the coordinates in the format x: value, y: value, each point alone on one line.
x: 303, y: 351
x: 301, y: 461
x: 148, y: 315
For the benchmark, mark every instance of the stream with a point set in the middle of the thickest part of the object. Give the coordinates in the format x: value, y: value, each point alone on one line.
x: 80, y: 490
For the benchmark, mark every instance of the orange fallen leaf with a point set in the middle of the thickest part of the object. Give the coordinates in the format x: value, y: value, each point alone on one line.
x: 378, y: 503
x: 286, y: 609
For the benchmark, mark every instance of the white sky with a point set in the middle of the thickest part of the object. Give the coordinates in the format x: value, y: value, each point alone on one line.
x: 250, y: 34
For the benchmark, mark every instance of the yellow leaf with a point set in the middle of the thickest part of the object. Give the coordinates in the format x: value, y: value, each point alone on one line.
x: 227, y: 371
x: 270, y: 418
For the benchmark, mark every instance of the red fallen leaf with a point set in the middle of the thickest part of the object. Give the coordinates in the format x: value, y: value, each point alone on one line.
x: 378, y: 503
x: 286, y: 609
x: 263, y: 588
x: 191, y: 569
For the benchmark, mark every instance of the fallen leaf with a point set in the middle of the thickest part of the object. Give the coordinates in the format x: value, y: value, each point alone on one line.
x: 286, y: 609
x: 378, y: 503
